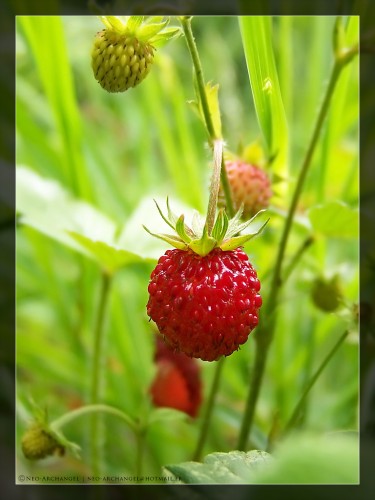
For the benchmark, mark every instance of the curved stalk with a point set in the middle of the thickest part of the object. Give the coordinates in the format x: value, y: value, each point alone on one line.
x: 69, y: 417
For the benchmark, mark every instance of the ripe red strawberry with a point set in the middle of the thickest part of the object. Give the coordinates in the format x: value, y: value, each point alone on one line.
x: 205, y: 306
x: 177, y: 383
x: 249, y: 185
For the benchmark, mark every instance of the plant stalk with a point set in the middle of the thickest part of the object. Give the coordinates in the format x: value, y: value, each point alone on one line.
x: 294, y: 417
x: 208, y: 410
x: 69, y: 417
x: 186, y: 27
x: 214, y: 142
x: 264, y: 333
x: 97, y: 373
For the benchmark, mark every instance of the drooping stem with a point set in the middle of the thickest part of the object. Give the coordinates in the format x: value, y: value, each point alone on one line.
x: 69, y: 417
x: 97, y: 373
x: 265, y: 331
x: 294, y: 417
x: 208, y: 410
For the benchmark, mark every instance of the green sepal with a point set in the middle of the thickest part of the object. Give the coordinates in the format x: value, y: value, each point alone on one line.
x: 154, y: 19
x: 235, y: 228
x: 203, y: 246
x: 238, y: 241
x: 133, y: 23
x: 181, y: 229
x: 113, y: 23
x: 166, y: 35
x: 171, y: 219
x: 173, y: 240
x: 221, y: 226
x: 150, y: 30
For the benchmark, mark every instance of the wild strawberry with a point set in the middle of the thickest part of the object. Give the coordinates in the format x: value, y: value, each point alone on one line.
x: 204, y: 294
x: 177, y: 383
x: 123, y: 52
x: 249, y: 186
x: 38, y: 442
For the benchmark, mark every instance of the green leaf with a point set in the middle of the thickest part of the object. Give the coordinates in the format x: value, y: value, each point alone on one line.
x: 47, y: 207
x: 108, y: 256
x: 256, y: 34
x: 165, y: 415
x: 310, y: 459
x: 335, y: 219
x: 222, y: 468
x: 212, y: 94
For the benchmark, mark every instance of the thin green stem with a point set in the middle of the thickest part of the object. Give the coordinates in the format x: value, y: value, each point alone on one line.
x: 294, y: 417
x: 264, y: 333
x: 97, y: 373
x: 186, y: 26
x: 208, y: 410
x: 69, y: 417
x: 297, y: 257
x: 140, y: 437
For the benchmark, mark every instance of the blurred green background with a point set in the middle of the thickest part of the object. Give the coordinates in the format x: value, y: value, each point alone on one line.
x: 91, y: 162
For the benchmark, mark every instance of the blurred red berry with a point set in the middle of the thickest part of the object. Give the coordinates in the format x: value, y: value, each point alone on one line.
x: 177, y: 383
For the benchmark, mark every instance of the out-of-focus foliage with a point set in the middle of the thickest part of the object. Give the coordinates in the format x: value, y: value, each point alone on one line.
x: 91, y: 162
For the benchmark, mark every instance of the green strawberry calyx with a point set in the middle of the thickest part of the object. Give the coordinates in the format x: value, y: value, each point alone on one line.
x: 147, y: 29
x: 224, y: 235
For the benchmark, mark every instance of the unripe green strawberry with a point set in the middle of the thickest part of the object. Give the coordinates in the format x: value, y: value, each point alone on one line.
x: 119, y: 61
x: 250, y: 186
x: 38, y: 443
x: 123, y: 52
x: 327, y: 294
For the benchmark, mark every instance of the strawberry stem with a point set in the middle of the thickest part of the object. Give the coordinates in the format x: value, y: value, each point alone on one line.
x: 294, y: 417
x: 97, y: 371
x: 186, y: 26
x: 265, y: 331
x: 208, y: 411
x: 69, y: 417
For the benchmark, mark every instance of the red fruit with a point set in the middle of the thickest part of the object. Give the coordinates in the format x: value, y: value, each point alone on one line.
x: 177, y: 383
x: 205, y: 306
x: 250, y: 185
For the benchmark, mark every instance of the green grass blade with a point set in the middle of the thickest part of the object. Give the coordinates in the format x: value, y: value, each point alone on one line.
x: 257, y: 43
x: 46, y: 39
